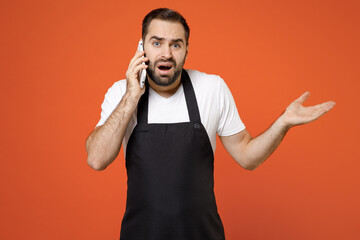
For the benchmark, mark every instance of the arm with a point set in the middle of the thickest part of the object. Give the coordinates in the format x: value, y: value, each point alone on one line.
x: 251, y: 152
x: 104, y: 143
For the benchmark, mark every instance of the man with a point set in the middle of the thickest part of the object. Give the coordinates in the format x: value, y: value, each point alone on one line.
x: 168, y: 130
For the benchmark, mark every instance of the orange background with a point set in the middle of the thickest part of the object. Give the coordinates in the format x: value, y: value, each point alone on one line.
x: 58, y: 58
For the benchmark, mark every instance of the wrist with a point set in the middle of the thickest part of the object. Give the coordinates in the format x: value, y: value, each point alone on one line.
x: 282, y: 123
x: 133, y: 95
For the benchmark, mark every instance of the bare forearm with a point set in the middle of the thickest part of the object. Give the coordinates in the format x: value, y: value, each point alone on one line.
x: 251, y: 152
x: 104, y: 143
x: 261, y: 147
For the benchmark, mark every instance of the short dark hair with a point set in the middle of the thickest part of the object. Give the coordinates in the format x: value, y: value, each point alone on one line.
x: 167, y: 15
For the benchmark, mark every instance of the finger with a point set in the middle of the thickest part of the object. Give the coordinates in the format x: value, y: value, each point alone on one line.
x: 140, y: 60
x: 326, y: 105
x: 138, y: 54
x: 321, y: 105
x: 140, y: 66
x: 303, y: 97
x: 323, y: 108
x: 135, y: 73
x: 137, y: 62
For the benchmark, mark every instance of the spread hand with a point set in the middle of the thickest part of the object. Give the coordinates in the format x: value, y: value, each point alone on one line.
x: 296, y: 113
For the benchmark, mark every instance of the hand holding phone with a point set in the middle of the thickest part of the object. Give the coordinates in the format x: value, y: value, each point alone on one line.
x: 142, y: 72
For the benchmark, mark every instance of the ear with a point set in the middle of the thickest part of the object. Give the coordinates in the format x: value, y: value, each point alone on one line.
x: 187, y: 51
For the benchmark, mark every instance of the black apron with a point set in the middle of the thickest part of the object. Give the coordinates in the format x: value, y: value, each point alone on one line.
x: 170, y: 169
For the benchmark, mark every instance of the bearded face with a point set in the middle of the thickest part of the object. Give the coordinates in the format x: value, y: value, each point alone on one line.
x: 166, y: 48
x: 165, y: 72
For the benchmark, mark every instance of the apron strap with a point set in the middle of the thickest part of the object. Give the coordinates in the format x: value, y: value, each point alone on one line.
x: 190, y: 98
x: 142, y: 111
x: 191, y: 103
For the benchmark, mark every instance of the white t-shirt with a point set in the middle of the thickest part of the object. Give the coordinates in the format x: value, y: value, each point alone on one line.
x: 217, y: 108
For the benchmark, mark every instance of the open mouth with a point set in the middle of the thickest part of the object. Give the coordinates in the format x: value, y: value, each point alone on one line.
x: 165, y: 67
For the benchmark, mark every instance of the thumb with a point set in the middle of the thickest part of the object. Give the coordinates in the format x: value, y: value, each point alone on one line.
x: 303, y: 97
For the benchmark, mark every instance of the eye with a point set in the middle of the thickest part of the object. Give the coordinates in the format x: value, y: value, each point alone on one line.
x: 175, y: 45
x: 156, y: 44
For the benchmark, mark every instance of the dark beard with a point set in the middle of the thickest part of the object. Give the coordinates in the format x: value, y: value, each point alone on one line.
x: 159, y: 80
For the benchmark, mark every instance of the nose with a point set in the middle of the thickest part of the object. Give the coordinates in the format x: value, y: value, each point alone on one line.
x: 166, y: 52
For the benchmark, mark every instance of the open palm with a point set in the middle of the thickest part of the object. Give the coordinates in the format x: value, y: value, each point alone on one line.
x: 296, y: 113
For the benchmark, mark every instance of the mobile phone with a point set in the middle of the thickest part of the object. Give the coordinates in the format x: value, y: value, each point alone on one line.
x: 142, y: 72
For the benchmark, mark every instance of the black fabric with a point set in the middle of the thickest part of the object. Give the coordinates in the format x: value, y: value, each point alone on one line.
x: 170, y: 178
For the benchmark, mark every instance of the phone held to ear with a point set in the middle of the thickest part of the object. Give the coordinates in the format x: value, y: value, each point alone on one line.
x: 142, y: 72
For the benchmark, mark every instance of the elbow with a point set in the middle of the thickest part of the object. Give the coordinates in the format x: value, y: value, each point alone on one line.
x: 250, y: 167
x: 247, y: 165
x: 95, y: 164
x: 97, y: 160
x: 92, y: 160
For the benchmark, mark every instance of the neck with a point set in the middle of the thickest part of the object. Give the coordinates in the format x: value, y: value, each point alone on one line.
x: 165, y: 91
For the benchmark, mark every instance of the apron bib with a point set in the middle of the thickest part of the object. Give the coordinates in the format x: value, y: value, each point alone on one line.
x: 170, y: 169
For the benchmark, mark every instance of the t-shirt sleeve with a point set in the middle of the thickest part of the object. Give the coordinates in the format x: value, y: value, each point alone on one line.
x: 230, y: 122
x: 111, y: 100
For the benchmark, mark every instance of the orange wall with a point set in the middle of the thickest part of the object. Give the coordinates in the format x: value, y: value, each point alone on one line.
x: 58, y: 58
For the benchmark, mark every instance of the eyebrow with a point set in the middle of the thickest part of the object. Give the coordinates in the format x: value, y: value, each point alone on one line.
x: 172, y: 40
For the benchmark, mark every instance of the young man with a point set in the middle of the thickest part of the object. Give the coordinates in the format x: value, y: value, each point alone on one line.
x: 168, y: 130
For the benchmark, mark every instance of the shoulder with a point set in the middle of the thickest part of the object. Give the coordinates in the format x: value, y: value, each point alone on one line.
x: 117, y: 90
x: 111, y: 99
x: 118, y: 86
x: 197, y: 76
x: 204, y: 82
